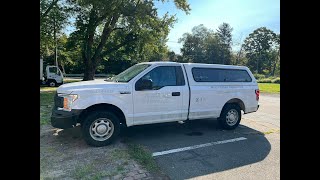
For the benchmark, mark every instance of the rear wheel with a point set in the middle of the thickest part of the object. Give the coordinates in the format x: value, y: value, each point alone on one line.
x: 230, y: 116
x: 100, y: 128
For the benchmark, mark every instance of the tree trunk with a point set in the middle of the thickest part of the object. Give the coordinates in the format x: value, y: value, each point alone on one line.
x: 90, y: 61
x: 89, y: 71
x: 55, y: 42
x: 63, y: 70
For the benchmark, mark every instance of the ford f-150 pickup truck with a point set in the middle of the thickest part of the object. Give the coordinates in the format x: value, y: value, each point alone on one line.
x: 156, y: 92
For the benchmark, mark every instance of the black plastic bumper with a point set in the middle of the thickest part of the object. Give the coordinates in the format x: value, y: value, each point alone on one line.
x: 64, y: 119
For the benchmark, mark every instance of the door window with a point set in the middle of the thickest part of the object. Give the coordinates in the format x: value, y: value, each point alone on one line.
x: 162, y: 76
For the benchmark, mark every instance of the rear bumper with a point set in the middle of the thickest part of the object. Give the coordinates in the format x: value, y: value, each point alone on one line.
x: 64, y: 119
x: 252, y: 109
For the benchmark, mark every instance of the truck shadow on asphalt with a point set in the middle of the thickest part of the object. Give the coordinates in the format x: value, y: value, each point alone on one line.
x: 191, y: 163
x: 201, y: 161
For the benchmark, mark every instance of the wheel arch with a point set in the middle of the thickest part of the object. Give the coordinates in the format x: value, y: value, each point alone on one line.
x: 237, y: 101
x: 103, y: 106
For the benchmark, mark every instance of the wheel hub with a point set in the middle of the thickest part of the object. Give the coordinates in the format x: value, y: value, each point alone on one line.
x: 101, y: 129
x: 232, y: 117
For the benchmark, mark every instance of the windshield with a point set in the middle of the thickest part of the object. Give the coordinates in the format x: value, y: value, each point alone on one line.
x: 130, y: 73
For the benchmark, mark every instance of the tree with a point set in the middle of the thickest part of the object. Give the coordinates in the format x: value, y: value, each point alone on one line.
x: 172, y: 56
x: 53, y: 19
x: 100, y: 23
x: 259, y: 46
x: 193, y: 48
x: 224, y: 33
x: 277, y: 58
x: 204, y: 45
x: 46, y: 7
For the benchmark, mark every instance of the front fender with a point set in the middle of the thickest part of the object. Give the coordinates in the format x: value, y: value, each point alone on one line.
x: 123, y: 102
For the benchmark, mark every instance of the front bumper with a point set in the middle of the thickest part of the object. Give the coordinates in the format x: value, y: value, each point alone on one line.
x: 64, y: 119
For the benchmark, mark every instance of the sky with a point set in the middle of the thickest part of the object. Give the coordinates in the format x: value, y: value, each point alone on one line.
x: 244, y: 16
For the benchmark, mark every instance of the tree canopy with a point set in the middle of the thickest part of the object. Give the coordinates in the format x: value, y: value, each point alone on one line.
x: 261, y: 48
x: 108, y: 36
x: 204, y: 45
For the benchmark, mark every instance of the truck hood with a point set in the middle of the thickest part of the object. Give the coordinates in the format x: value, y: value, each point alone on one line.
x: 94, y: 86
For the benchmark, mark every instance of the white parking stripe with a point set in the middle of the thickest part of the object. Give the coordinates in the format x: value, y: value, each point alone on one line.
x: 196, y: 146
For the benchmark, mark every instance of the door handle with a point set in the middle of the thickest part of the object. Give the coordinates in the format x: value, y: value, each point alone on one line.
x: 175, y: 93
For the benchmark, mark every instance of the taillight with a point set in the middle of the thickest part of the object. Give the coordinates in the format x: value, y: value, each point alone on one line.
x: 257, y: 91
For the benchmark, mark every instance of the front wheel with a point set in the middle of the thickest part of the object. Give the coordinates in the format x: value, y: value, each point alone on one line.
x: 100, y: 128
x: 52, y: 83
x: 230, y: 116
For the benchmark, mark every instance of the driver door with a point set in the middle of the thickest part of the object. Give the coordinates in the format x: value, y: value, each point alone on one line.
x: 163, y: 101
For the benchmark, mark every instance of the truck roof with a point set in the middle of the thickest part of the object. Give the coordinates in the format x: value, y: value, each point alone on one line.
x: 196, y: 64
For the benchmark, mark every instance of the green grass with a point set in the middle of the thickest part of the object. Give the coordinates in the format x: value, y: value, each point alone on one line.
x: 72, y: 80
x: 46, y: 104
x: 82, y: 172
x: 271, y: 131
x: 143, y: 157
x: 269, y: 88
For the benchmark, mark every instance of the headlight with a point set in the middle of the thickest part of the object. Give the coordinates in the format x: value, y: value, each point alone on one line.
x: 67, y: 101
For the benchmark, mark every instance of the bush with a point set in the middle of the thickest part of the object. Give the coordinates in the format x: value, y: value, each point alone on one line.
x: 269, y: 80
x: 276, y: 80
x: 259, y: 76
x: 265, y: 80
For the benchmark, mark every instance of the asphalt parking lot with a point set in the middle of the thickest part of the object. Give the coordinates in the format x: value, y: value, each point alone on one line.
x: 202, y: 150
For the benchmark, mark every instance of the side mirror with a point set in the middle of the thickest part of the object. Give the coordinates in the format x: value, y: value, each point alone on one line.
x: 144, y: 84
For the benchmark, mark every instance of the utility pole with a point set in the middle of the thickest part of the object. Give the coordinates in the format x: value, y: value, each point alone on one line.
x: 55, y: 42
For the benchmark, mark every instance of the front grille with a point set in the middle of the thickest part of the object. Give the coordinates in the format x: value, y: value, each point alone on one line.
x: 58, y: 101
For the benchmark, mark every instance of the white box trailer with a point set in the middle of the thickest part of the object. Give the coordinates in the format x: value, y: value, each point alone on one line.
x: 52, y: 76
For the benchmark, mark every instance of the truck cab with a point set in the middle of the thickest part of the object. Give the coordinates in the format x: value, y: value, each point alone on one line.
x: 52, y: 76
x: 156, y: 92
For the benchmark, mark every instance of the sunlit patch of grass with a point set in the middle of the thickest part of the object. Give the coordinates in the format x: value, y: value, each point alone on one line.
x: 269, y: 87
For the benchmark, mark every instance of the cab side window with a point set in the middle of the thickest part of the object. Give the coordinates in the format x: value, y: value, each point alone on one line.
x: 162, y: 76
x: 165, y: 76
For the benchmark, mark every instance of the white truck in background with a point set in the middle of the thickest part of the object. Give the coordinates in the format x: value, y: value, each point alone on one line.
x: 52, y: 76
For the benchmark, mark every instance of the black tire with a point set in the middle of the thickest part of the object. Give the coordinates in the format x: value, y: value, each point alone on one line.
x: 223, y: 119
x: 104, y: 116
x: 52, y: 83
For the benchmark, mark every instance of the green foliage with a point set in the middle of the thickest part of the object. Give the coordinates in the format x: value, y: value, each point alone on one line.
x: 265, y: 80
x: 53, y: 18
x: 276, y: 80
x: 270, y: 79
x: 111, y: 36
x: 205, y: 46
x: 122, y: 30
x: 262, y: 49
x: 259, y: 76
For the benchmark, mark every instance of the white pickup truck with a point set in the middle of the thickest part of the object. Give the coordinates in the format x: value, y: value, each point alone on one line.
x: 156, y: 92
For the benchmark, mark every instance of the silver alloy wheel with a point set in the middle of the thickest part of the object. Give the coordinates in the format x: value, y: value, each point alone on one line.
x: 52, y: 84
x: 232, y: 117
x: 101, y: 129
